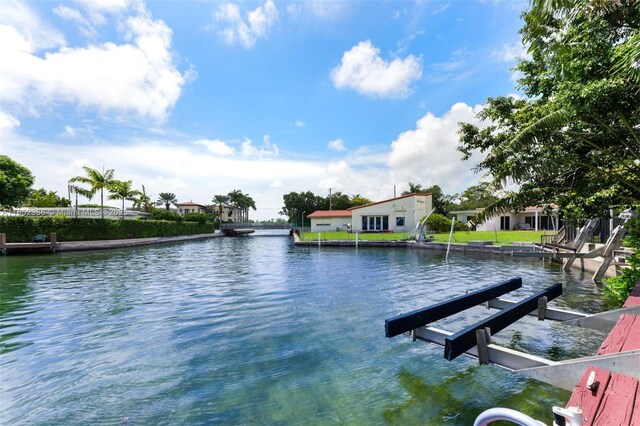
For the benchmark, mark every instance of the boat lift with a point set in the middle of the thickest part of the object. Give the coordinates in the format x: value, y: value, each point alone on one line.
x: 475, y: 340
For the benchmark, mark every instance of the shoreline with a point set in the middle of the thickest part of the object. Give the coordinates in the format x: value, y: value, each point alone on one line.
x: 133, y: 242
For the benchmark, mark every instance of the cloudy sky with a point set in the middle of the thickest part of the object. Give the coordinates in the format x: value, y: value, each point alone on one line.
x: 202, y: 97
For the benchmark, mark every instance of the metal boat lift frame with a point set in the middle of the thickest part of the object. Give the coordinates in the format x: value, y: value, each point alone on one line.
x: 475, y: 340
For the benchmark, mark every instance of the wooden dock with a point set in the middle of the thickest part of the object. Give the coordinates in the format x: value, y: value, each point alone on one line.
x: 608, y: 398
x: 27, y: 248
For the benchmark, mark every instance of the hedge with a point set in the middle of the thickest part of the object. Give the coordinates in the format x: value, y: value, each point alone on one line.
x: 21, y: 229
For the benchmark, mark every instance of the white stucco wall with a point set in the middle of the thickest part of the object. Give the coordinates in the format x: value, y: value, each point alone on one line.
x: 329, y: 224
x: 412, y: 208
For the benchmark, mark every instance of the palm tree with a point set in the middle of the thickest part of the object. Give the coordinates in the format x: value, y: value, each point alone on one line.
x: 221, y: 201
x: 142, y: 202
x: 97, y: 181
x: 236, y: 198
x: 247, y: 202
x: 167, y: 198
x: 75, y: 189
x: 122, y: 190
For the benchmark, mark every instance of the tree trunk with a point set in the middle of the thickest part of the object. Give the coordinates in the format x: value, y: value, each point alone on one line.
x: 102, y: 202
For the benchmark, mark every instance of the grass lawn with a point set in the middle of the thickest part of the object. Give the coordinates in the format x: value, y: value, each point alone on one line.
x: 498, y: 237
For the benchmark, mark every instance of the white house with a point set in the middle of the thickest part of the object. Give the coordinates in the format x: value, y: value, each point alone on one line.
x: 190, y: 207
x: 534, y: 218
x: 330, y: 220
x: 400, y: 214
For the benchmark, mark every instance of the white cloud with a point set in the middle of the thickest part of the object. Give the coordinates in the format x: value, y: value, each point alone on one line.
x: 32, y: 33
x: 299, y: 124
x: 451, y: 69
x: 440, y: 9
x: 511, y: 52
x: 8, y: 124
x: 138, y: 76
x: 267, y: 150
x: 246, y: 30
x: 428, y: 154
x: 86, y: 28
x: 319, y: 9
x: 337, y: 145
x: 216, y: 147
x: 362, y: 69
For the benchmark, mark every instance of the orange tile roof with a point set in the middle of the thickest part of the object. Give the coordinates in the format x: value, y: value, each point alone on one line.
x: 191, y: 203
x: 330, y: 213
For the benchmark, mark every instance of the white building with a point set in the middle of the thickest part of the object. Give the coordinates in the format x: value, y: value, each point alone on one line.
x: 330, y: 220
x: 400, y: 214
x: 190, y: 207
x: 532, y: 218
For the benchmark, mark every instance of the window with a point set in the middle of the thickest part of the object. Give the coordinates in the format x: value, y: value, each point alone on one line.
x: 375, y: 223
x: 505, y: 223
x: 399, y: 221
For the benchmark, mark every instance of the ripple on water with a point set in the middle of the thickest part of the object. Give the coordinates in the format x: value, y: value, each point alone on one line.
x: 254, y: 330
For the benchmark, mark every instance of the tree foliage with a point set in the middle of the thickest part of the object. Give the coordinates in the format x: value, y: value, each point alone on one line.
x: 297, y: 203
x: 121, y: 190
x: 97, y: 181
x: 477, y: 196
x: 43, y: 198
x: 166, y: 199
x: 574, y: 140
x: 15, y: 182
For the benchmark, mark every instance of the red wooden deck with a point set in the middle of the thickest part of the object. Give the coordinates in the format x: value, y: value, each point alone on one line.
x: 615, y: 398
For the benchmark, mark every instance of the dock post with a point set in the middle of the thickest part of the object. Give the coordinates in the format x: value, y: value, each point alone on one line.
x: 3, y: 243
x: 53, y: 238
x: 356, y: 240
x: 318, y: 239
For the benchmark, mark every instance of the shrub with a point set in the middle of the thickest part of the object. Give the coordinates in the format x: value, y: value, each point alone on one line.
x: 440, y: 223
x: 617, y: 289
x: 195, y: 217
x: 21, y: 229
x: 159, y: 214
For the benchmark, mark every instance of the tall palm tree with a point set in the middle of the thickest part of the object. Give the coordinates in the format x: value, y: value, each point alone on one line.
x: 121, y: 190
x: 167, y: 198
x: 236, y: 198
x: 142, y: 202
x: 247, y: 203
x: 221, y: 201
x: 97, y: 181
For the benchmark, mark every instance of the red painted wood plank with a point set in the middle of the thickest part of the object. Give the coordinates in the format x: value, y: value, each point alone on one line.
x: 589, y: 400
x: 635, y: 418
x: 633, y: 338
x: 616, y: 406
x: 616, y: 339
x: 632, y: 301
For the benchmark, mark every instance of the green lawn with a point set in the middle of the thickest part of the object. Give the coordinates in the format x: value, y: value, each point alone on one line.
x: 498, y: 237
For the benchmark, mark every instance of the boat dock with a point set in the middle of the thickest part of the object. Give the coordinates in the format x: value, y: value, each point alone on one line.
x: 608, y: 384
x: 605, y: 397
x: 39, y: 245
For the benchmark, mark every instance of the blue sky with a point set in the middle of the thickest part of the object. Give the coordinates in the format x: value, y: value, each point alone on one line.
x: 202, y: 97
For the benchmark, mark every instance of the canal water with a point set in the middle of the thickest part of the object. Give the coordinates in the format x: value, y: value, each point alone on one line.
x: 253, y: 330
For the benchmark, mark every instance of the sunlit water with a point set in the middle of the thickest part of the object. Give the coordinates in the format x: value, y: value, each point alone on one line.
x: 256, y: 331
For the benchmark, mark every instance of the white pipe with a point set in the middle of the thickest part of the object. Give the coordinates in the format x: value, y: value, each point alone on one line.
x: 494, y: 414
x: 318, y: 239
x: 453, y: 221
x: 356, y: 239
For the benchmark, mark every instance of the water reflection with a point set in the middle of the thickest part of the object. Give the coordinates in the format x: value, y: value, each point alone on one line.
x: 255, y: 330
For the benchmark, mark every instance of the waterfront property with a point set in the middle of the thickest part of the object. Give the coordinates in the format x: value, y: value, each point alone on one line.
x: 532, y: 218
x: 250, y: 330
x: 399, y: 214
x: 329, y: 220
x: 81, y: 212
x: 190, y: 207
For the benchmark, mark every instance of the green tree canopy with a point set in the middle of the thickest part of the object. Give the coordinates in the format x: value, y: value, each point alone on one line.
x: 97, y: 181
x: 477, y: 196
x: 43, y: 198
x: 15, y: 182
x: 166, y: 199
x: 441, y: 202
x: 121, y: 190
x: 574, y: 140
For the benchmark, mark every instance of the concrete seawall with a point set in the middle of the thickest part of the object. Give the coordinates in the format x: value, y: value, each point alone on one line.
x: 133, y: 242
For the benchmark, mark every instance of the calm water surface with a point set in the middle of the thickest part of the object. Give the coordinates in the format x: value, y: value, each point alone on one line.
x: 255, y: 331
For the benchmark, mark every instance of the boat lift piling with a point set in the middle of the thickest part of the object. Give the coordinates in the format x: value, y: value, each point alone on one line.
x: 475, y: 340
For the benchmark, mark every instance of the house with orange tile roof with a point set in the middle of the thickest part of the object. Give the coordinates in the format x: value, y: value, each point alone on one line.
x: 190, y: 207
x: 399, y: 214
